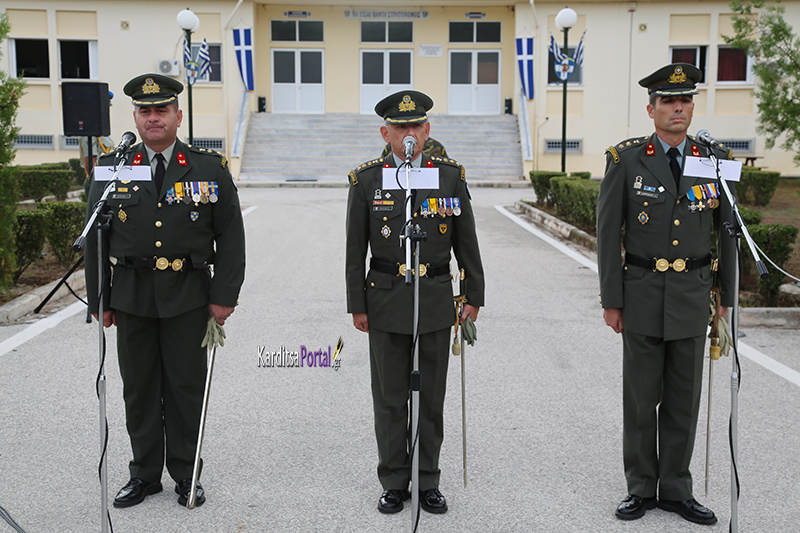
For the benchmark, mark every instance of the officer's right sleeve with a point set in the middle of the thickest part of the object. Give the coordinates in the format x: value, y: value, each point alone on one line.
x: 357, y: 229
x: 90, y: 254
x: 611, y: 206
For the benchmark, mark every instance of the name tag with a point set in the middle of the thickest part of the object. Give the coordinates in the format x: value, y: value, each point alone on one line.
x: 646, y: 193
x: 118, y: 196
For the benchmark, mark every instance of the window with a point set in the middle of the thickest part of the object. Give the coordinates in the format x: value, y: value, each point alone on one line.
x: 740, y: 146
x: 211, y: 143
x: 215, y: 53
x: 694, y: 55
x: 553, y: 146
x: 474, y: 32
x: 387, y: 32
x: 78, y: 60
x: 733, y: 65
x: 297, y: 31
x: 31, y: 58
x: 34, y: 141
x: 552, y: 78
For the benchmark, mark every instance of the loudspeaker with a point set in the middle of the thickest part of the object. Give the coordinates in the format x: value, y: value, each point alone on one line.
x: 85, y: 106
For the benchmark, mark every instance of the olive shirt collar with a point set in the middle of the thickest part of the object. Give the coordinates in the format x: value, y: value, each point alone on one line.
x: 167, y: 153
x: 681, y: 147
x: 398, y: 161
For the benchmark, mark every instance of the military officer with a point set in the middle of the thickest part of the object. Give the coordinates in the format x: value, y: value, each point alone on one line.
x: 431, y: 148
x: 165, y: 235
x: 382, y: 304
x: 658, y: 298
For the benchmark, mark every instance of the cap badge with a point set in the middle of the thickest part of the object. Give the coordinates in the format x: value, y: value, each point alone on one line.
x: 678, y: 76
x: 407, y: 104
x: 150, y: 87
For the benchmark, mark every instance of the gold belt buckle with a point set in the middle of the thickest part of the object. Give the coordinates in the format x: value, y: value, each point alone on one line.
x: 177, y: 265
x: 162, y: 263
x: 423, y: 270
x: 401, y: 271
x: 679, y: 265
x: 662, y: 265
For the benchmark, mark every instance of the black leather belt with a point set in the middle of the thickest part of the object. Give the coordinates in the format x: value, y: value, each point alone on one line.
x: 425, y: 270
x: 156, y: 263
x: 662, y: 265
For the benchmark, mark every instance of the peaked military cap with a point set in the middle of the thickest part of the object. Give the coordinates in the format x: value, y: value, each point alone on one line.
x: 153, y: 89
x: 405, y: 107
x: 674, y: 79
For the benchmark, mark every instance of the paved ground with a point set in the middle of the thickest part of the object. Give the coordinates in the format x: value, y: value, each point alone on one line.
x: 292, y: 449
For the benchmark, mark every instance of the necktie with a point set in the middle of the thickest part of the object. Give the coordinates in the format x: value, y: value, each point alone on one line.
x: 158, y: 177
x: 673, y: 164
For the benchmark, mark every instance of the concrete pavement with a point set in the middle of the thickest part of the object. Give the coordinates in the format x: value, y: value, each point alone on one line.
x: 292, y: 449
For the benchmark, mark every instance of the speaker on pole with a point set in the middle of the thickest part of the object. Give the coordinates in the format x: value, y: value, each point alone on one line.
x: 85, y: 107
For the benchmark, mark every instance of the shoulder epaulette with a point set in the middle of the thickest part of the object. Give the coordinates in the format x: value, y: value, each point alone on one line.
x: 616, y: 149
x: 369, y: 164
x: 353, y: 178
x: 450, y: 162
x: 208, y: 151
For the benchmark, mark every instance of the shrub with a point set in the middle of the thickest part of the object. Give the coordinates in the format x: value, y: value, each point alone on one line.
x: 757, y: 187
x: 775, y: 240
x: 751, y: 217
x: 75, y: 165
x: 60, y: 182
x: 8, y: 204
x: 65, y: 221
x: 576, y: 200
x: 31, y: 233
x: 581, y: 175
x: 36, y: 182
x: 540, y: 179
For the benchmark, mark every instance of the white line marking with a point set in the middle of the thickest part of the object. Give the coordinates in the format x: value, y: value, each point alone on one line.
x: 43, y: 325
x: 40, y: 327
x: 566, y: 250
x: 749, y: 352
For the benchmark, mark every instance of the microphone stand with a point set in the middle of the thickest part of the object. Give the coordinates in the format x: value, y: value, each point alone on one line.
x: 102, y: 221
x: 413, y: 236
x: 735, y: 229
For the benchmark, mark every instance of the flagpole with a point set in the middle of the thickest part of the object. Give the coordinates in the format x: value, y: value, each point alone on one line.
x: 189, y: 22
x: 565, y: 19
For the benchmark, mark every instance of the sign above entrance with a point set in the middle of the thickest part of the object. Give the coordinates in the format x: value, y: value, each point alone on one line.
x: 383, y: 14
x: 297, y: 14
x: 431, y: 50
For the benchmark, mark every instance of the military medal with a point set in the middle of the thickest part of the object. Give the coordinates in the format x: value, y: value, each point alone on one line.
x: 441, y: 209
x: 637, y: 184
x: 204, y: 189
x: 170, y: 196
x: 122, y: 215
x: 449, y: 204
x: 424, y: 208
x: 212, y: 192
x: 386, y: 231
x: 195, y: 192
x: 643, y: 218
x: 456, y: 206
x: 432, y: 204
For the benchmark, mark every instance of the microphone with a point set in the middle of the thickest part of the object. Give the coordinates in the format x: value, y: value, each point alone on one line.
x: 705, y: 137
x: 409, y: 143
x: 128, y: 138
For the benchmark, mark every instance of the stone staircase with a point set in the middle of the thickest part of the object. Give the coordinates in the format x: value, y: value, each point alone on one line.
x: 308, y: 148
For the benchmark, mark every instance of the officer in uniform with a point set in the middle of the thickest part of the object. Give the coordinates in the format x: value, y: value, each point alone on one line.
x: 165, y: 235
x: 382, y: 304
x: 658, y: 298
x: 431, y: 148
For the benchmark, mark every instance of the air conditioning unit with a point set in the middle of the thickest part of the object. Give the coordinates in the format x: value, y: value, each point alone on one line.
x: 169, y: 67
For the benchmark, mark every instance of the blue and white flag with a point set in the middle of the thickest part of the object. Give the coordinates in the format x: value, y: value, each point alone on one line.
x: 563, y: 65
x: 187, y: 53
x: 204, y: 60
x: 579, y: 51
x: 525, y: 62
x: 556, y: 50
x: 243, y: 45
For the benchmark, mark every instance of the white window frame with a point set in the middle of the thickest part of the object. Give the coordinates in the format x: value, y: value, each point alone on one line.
x: 196, y: 52
x: 749, y: 70
x: 94, y: 63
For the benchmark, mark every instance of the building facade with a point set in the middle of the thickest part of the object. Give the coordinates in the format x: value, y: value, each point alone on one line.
x: 336, y: 57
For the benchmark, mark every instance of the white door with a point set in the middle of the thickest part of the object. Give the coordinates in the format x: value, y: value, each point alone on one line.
x: 297, y: 81
x: 383, y: 72
x: 474, y: 87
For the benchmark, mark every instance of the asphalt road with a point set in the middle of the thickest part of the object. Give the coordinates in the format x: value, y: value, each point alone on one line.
x: 292, y: 449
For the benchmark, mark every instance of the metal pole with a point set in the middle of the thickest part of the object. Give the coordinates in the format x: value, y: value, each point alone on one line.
x: 463, y: 409
x: 190, y: 503
x: 191, y: 128
x: 564, y: 113
x: 101, y: 388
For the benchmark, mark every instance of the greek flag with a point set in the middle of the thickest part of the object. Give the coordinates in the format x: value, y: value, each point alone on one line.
x: 556, y: 50
x: 204, y: 60
x: 243, y: 45
x: 525, y: 62
x: 579, y: 51
x: 187, y: 52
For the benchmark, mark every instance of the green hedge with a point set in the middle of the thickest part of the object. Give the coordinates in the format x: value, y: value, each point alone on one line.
x: 8, y: 204
x: 80, y: 175
x: 36, y: 182
x: 31, y: 233
x: 776, y: 241
x: 65, y: 221
x: 757, y: 187
x: 540, y: 179
x: 751, y: 217
x: 576, y: 200
x: 581, y: 175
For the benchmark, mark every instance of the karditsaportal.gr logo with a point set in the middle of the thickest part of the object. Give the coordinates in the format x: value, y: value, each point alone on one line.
x: 303, y: 358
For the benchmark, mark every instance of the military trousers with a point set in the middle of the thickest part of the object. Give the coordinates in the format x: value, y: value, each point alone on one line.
x: 662, y: 381
x: 163, y: 370
x: 391, y: 361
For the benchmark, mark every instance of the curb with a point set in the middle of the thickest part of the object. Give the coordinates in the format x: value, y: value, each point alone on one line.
x: 749, y: 317
x: 342, y: 184
x: 25, y: 304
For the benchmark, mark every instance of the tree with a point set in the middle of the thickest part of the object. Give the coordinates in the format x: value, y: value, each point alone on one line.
x: 761, y: 31
x: 11, y: 90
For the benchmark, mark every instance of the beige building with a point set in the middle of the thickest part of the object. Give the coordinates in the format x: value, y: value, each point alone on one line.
x: 339, y: 57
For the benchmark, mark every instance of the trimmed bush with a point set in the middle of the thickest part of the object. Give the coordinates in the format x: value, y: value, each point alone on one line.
x: 581, y: 175
x: 540, y: 179
x: 8, y: 204
x: 80, y: 175
x: 757, y: 187
x: 65, y: 221
x: 576, y: 200
x: 31, y: 233
x: 775, y: 240
x: 751, y: 217
x: 36, y: 182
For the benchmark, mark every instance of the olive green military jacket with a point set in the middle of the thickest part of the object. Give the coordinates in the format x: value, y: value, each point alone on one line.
x: 145, y: 224
x: 375, y: 219
x: 638, y: 194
